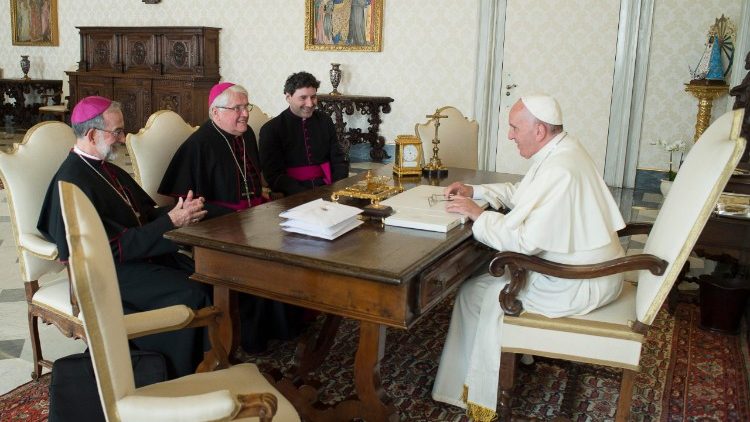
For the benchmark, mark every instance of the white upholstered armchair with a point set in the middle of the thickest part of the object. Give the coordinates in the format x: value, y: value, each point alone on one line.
x: 256, y: 119
x: 239, y: 392
x: 459, y: 142
x: 614, y: 334
x: 26, y: 172
x: 152, y: 148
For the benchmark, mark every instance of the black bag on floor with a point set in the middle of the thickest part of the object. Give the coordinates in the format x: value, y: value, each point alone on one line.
x: 73, y: 395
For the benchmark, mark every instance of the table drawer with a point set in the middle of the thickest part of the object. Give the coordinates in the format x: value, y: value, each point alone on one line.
x: 440, y: 278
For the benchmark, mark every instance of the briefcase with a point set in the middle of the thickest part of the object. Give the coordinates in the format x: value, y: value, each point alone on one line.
x: 73, y: 395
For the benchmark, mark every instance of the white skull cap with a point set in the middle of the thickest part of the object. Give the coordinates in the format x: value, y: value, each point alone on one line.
x: 544, y: 108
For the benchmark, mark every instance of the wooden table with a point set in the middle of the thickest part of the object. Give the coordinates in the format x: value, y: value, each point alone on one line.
x: 28, y: 94
x: 380, y: 276
x: 338, y: 105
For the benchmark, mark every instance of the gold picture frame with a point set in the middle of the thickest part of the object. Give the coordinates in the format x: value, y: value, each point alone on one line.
x: 34, y: 22
x: 327, y: 25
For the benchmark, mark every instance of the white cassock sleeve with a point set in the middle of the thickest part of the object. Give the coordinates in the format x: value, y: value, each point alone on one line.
x: 498, y: 195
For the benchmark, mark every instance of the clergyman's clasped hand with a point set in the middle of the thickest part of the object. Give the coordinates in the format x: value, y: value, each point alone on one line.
x: 187, y: 211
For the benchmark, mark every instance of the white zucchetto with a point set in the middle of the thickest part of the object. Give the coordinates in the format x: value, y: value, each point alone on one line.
x: 544, y: 108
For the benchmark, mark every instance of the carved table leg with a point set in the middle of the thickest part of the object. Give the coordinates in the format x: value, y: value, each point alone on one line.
x: 370, y: 403
x: 314, y: 347
x: 226, y: 301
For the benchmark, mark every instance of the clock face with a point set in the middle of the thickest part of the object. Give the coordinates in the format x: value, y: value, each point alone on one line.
x: 410, y: 155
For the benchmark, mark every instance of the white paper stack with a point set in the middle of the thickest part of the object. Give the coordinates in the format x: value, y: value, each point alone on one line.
x: 412, y: 210
x: 319, y: 218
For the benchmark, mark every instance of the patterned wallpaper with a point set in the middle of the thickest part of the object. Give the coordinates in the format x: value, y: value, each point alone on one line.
x: 427, y: 61
x: 678, y: 38
x: 428, y: 57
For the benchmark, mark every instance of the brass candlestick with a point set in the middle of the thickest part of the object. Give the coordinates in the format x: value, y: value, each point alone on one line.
x: 705, y: 94
x: 435, y: 168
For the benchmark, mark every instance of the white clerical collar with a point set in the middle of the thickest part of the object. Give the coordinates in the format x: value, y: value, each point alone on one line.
x: 547, y: 149
x: 85, y: 154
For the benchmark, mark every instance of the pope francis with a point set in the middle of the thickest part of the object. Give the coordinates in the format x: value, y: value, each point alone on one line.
x: 561, y: 211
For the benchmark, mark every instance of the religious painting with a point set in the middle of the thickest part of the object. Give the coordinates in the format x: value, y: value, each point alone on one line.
x: 343, y: 25
x: 34, y: 22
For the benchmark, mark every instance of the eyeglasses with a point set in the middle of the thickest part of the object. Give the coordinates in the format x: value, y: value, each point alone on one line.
x: 117, y: 132
x: 239, y: 108
x: 433, y: 199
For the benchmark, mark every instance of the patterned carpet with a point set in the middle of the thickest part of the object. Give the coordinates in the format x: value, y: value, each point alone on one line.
x: 688, y: 375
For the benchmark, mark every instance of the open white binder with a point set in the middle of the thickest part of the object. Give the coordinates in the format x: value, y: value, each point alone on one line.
x: 412, y: 210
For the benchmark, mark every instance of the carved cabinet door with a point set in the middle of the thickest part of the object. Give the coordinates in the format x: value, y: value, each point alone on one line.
x: 84, y: 87
x: 100, y: 52
x: 139, y: 53
x: 135, y: 97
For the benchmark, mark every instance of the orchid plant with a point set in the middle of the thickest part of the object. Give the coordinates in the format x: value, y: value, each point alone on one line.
x: 677, y: 147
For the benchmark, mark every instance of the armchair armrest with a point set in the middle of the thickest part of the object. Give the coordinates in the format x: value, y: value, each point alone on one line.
x: 216, y: 405
x: 158, y: 320
x: 177, y: 317
x: 519, y: 264
x: 635, y: 228
x: 38, y: 246
x: 169, y: 319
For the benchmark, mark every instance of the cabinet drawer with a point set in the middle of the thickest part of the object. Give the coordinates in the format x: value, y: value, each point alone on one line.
x: 439, y: 279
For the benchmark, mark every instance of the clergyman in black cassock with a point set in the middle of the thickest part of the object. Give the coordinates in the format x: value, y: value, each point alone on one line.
x: 219, y: 162
x: 298, y: 148
x: 151, y: 274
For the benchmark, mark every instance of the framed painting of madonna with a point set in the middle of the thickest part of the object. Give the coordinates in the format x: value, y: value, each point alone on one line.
x: 343, y: 25
x: 34, y: 22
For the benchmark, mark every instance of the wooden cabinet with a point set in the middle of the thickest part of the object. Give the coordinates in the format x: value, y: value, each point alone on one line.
x: 148, y: 69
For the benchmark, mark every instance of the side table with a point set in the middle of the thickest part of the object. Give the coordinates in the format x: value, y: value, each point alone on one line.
x: 338, y: 105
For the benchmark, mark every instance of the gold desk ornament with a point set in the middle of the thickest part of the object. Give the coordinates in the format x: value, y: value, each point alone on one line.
x: 435, y: 168
x: 706, y: 93
x: 372, y: 188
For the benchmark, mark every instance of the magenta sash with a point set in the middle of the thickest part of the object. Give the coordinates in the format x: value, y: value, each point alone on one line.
x: 304, y: 173
x: 241, y: 205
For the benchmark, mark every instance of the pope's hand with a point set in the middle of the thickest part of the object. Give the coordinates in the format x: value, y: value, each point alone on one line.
x: 187, y: 211
x: 464, y: 206
x: 458, y: 188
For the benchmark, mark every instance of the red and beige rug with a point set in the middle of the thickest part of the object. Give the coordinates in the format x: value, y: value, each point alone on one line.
x: 688, y: 375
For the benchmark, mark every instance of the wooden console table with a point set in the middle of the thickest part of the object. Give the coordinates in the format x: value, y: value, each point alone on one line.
x: 25, y: 113
x: 336, y: 105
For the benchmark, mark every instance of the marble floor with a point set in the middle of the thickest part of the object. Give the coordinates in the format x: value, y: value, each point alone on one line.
x: 15, y: 348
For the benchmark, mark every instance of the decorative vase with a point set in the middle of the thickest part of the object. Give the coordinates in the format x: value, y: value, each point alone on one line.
x: 25, y: 66
x: 665, y: 186
x: 335, y: 74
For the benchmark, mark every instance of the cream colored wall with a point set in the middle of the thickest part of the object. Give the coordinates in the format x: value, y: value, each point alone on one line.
x: 428, y: 57
x: 678, y: 37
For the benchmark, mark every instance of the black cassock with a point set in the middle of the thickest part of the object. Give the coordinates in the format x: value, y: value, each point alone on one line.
x: 205, y: 164
x: 150, y: 272
x: 283, y: 146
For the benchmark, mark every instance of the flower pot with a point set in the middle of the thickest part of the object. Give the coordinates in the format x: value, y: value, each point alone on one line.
x: 665, y: 186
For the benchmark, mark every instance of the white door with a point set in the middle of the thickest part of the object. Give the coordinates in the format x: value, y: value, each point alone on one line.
x: 565, y: 49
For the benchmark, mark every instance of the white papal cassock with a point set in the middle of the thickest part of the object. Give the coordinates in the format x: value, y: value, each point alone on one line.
x: 561, y: 211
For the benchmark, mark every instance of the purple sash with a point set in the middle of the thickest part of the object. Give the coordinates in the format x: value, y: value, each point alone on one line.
x: 304, y: 173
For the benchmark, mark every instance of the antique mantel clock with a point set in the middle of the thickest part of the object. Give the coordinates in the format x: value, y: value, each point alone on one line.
x: 409, y: 156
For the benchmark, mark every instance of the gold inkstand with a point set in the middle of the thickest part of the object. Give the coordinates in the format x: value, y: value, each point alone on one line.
x: 373, y: 189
